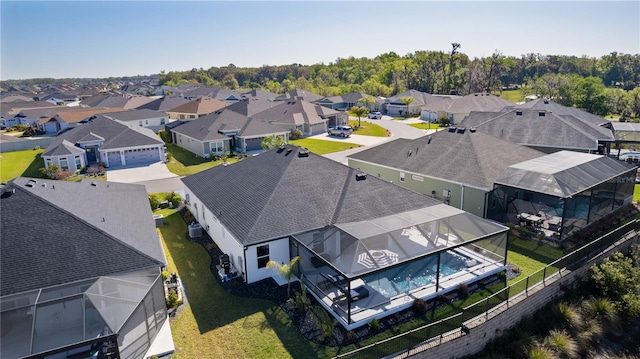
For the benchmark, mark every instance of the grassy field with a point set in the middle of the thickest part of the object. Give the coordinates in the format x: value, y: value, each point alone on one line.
x: 184, y: 163
x: 25, y: 163
x: 636, y: 193
x: 426, y: 126
x: 321, y: 147
x: 512, y: 95
x: 367, y: 128
x: 530, y: 256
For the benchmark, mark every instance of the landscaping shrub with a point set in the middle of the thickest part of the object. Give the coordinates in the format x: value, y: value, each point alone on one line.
x: 295, y: 135
x: 188, y: 217
x: 444, y: 121
x: 164, y: 136
x: 172, y: 299
x: 165, y: 275
x: 463, y: 290
x: 374, y: 324
x: 419, y: 306
x: 174, y: 198
x: 154, y: 201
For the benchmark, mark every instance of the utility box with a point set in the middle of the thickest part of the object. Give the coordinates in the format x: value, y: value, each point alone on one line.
x: 159, y: 219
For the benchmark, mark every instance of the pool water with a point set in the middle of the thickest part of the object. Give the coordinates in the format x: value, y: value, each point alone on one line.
x: 450, y: 263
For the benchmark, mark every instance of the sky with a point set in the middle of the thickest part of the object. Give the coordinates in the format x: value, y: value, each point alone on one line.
x: 98, y: 39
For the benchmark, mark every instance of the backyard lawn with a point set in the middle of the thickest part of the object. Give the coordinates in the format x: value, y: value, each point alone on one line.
x: 367, y: 128
x: 511, y: 95
x: 25, y: 163
x: 426, y: 126
x: 184, y: 163
x: 321, y: 147
x: 636, y: 193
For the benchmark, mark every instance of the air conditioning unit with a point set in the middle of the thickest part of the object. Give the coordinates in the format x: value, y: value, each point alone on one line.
x: 195, y: 230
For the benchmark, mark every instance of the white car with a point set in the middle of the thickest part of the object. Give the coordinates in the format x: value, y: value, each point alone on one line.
x: 375, y: 115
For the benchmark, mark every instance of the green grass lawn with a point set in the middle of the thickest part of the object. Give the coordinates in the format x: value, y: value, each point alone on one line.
x: 426, y: 126
x: 636, y: 193
x: 512, y: 95
x: 367, y: 128
x: 184, y: 163
x: 530, y: 256
x: 321, y: 147
x: 25, y: 163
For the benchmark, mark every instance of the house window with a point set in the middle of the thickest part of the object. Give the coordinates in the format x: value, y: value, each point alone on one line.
x: 146, y: 122
x: 263, y: 255
x: 162, y: 121
x: 401, y: 176
x: 64, y: 164
x: 140, y: 123
x: 78, y: 163
x: 182, y: 117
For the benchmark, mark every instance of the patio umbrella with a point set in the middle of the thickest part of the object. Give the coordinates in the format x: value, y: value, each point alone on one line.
x: 377, y: 258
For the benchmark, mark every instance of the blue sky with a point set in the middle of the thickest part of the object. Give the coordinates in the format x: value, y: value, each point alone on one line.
x: 121, y: 38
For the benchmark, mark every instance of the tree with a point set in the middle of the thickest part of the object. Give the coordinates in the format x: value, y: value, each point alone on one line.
x: 285, y: 270
x: 230, y: 82
x: 618, y: 277
x: 407, y: 101
x: 367, y: 101
x: 358, y: 112
x: 271, y: 142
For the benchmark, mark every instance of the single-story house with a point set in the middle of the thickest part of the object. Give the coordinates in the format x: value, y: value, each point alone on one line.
x: 349, y: 100
x: 103, y: 140
x: 218, y: 93
x: 62, y: 99
x: 81, y: 272
x: 163, y: 103
x: 195, y: 108
x: 298, y: 94
x: 457, y: 165
x: 260, y: 95
x: 548, y: 127
x: 457, y: 108
x: 64, y: 120
x: 224, y: 131
x: 153, y: 120
x: 394, y: 106
x: 562, y: 192
x: 367, y: 247
x: 301, y: 115
x: 116, y: 101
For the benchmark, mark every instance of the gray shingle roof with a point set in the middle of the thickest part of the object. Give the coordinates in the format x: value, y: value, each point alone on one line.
x: 206, y: 128
x: 299, y: 94
x: 473, y: 102
x: 278, y: 193
x: 296, y: 112
x: 116, y: 135
x: 135, y: 115
x: 260, y: 94
x: 550, y: 130
x: 475, y: 159
x: 419, y: 98
x: 164, y: 104
x: 45, y: 244
x: 251, y: 106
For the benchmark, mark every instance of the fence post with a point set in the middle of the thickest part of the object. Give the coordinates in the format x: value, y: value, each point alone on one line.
x: 526, y: 287
x: 544, y: 276
x: 508, y: 296
x: 486, y: 309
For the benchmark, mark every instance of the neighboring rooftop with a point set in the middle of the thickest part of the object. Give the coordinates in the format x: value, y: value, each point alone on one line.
x: 296, y: 112
x: 200, y: 106
x: 472, y: 102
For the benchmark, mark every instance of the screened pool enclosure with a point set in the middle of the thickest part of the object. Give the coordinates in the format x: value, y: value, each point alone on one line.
x: 370, y: 269
x: 561, y: 193
x: 105, y: 317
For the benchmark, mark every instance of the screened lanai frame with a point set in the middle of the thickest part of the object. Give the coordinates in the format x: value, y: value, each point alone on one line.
x: 77, y: 318
x: 374, y: 268
x: 561, y: 193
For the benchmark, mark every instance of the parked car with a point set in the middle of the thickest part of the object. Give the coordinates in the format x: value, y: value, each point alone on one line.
x: 375, y: 115
x: 343, y: 131
x: 630, y: 157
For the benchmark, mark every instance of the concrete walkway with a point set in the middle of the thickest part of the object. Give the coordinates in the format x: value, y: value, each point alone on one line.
x: 135, y: 174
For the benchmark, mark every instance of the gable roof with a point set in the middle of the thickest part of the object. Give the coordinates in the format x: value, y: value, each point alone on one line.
x: 419, y: 98
x: 251, y: 106
x: 299, y: 94
x: 473, y: 102
x: 78, y: 114
x: 282, y: 187
x: 115, y: 134
x: 471, y: 158
x: 69, y: 241
x: 134, y: 115
x: 563, y: 173
x: 163, y: 104
x: 200, y: 106
x: 296, y: 112
x: 260, y: 94
x: 558, y: 109
x: 527, y: 127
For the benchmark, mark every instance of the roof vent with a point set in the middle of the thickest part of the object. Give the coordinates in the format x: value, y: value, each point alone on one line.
x: 518, y: 113
x: 541, y: 114
x: 303, y: 153
x: 452, y: 129
x: 31, y: 182
x: 546, y: 102
x: 461, y: 130
x: 288, y: 152
x: 472, y: 130
x: 94, y: 184
x: 361, y: 176
x: 280, y: 149
x: 429, y: 139
x: 7, y: 193
x: 475, y: 94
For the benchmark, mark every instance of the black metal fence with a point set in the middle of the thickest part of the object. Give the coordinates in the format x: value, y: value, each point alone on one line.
x: 432, y: 334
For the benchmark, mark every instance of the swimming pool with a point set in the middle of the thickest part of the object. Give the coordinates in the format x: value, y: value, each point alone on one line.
x: 416, y: 275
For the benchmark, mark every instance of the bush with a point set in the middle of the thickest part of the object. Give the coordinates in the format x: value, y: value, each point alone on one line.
x: 174, y: 198
x: 463, y: 290
x: 154, y: 201
x: 165, y: 275
x: 295, y: 135
x: 172, y: 299
x: 188, y: 217
x: 164, y: 136
x: 374, y: 324
x: 444, y: 121
x: 419, y: 306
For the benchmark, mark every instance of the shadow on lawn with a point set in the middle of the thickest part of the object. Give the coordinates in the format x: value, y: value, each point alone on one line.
x: 33, y: 170
x: 212, y: 306
x: 535, y: 250
x: 185, y: 157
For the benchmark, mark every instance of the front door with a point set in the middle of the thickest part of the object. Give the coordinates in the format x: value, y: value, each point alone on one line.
x: 91, y: 154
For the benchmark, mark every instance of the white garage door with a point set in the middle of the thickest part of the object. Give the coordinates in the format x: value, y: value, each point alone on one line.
x: 114, y: 159
x: 142, y: 155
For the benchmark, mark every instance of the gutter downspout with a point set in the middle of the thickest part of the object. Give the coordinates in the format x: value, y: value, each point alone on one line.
x: 246, y: 274
x: 461, y: 196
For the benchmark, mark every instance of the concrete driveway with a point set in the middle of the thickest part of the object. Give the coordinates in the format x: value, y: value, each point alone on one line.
x: 135, y: 174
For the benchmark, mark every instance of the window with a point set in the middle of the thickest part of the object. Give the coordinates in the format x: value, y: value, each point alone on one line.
x: 64, y: 164
x: 78, y: 162
x: 140, y: 123
x: 401, y: 176
x: 162, y: 121
x: 263, y: 255
x: 146, y: 122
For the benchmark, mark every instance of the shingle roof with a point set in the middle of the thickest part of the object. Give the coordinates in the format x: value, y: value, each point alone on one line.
x: 531, y: 129
x: 475, y: 159
x: 296, y: 112
x: 164, y: 104
x: 134, y: 115
x: 291, y: 194
x: 55, y: 234
x: 558, y: 109
x: 419, y: 98
x: 116, y: 135
x: 203, y: 105
x: 251, y: 106
x: 206, y: 128
x: 473, y: 102
x: 79, y: 114
x: 299, y: 94
x: 260, y: 94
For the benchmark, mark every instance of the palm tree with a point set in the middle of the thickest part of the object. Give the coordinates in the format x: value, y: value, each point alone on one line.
x: 272, y: 141
x: 358, y: 112
x: 285, y: 271
x: 367, y: 100
x: 407, y: 101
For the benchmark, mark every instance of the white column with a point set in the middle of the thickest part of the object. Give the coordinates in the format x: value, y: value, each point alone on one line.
x: 124, y: 162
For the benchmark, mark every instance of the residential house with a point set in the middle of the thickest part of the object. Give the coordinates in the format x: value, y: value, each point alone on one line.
x: 299, y: 95
x: 163, y: 103
x: 63, y: 120
x: 103, y: 140
x: 62, y: 99
x: 260, y: 94
x: 547, y: 129
x: 81, y: 270
x: 301, y: 115
x: 196, y: 108
x: 367, y: 247
x: 457, y: 108
x: 349, y: 100
x: 214, y: 92
x: 154, y: 120
x: 394, y: 106
x: 458, y: 165
x: 116, y: 101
